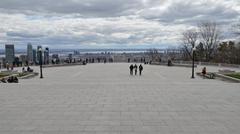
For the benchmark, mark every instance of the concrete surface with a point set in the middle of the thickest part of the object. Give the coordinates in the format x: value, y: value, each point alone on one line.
x: 105, y: 99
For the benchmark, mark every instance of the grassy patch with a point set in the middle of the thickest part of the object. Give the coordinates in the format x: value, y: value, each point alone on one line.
x: 3, y: 75
x: 23, y: 74
x: 234, y: 75
x: 17, y: 74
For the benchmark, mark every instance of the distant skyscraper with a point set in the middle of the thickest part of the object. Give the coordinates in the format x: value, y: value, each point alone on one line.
x: 46, y: 56
x: 29, y: 53
x: 34, y: 56
x: 38, y: 53
x: 9, y: 53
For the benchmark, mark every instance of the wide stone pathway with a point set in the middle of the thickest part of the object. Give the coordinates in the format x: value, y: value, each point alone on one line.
x: 105, y: 99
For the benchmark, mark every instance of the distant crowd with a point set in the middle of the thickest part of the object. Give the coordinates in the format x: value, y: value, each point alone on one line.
x: 135, y: 68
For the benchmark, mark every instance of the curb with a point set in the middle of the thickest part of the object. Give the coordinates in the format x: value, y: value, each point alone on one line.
x: 228, y: 78
x: 224, y: 77
x: 174, y: 65
x: 60, y: 65
x: 29, y: 76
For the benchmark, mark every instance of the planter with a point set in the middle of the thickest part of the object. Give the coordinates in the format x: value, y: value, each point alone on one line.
x: 30, y: 75
x: 228, y: 78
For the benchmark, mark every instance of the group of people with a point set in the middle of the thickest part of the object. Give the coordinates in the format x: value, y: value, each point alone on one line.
x: 12, y: 79
x: 9, y: 67
x: 135, y: 68
x: 28, y: 69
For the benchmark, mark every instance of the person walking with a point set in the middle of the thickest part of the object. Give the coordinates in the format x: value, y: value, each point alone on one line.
x: 7, y: 66
x: 135, y: 68
x: 23, y: 69
x: 140, y: 69
x: 131, y: 69
x: 204, y: 72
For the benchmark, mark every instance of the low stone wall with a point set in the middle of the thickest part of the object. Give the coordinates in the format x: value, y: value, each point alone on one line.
x: 30, y: 75
x: 174, y: 64
x: 61, y: 65
x: 209, y: 64
x: 6, y: 77
x: 159, y: 63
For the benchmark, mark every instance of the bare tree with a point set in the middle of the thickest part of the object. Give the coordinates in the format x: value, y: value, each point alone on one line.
x: 189, y: 41
x: 210, y: 37
x: 228, y: 52
x: 236, y: 29
x: 153, y: 54
x: 200, y: 52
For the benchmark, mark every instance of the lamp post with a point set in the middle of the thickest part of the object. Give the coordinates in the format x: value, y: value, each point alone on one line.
x: 193, y: 60
x: 40, y: 62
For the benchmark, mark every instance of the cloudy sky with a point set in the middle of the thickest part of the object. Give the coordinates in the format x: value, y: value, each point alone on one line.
x: 109, y: 23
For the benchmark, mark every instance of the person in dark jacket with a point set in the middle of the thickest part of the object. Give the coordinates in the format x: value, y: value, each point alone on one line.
x: 204, y: 71
x: 131, y: 69
x: 135, y: 68
x: 140, y: 69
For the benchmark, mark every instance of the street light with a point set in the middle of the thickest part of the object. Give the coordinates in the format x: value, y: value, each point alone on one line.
x: 193, y: 59
x: 40, y: 62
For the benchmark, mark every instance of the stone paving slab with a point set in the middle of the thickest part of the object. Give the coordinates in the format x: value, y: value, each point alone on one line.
x: 105, y: 99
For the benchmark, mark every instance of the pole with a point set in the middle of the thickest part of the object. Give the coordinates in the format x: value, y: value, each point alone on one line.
x: 41, y: 75
x: 193, y: 59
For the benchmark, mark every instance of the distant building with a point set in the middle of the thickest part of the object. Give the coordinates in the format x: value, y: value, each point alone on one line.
x: 17, y: 61
x: 2, y: 63
x: 70, y: 57
x: 29, y: 53
x: 46, y: 56
x: 76, y: 52
x: 23, y: 59
x: 38, y: 53
x: 9, y: 53
x: 34, y: 56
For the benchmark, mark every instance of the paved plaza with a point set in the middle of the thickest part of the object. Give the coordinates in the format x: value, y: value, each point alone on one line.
x: 105, y: 99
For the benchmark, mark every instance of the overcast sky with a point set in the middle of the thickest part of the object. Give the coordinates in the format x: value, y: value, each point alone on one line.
x: 109, y: 23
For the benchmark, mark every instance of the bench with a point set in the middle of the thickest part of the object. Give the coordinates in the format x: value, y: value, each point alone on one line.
x: 208, y: 75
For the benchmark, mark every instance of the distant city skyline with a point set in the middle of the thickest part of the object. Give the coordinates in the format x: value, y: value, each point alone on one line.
x: 105, y: 24
x: 24, y: 47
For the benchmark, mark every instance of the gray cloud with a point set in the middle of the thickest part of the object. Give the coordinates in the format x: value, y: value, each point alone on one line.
x: 191, y: 12
x: 22, y: 34
x: 86, y: 8
x: 108, y: 23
